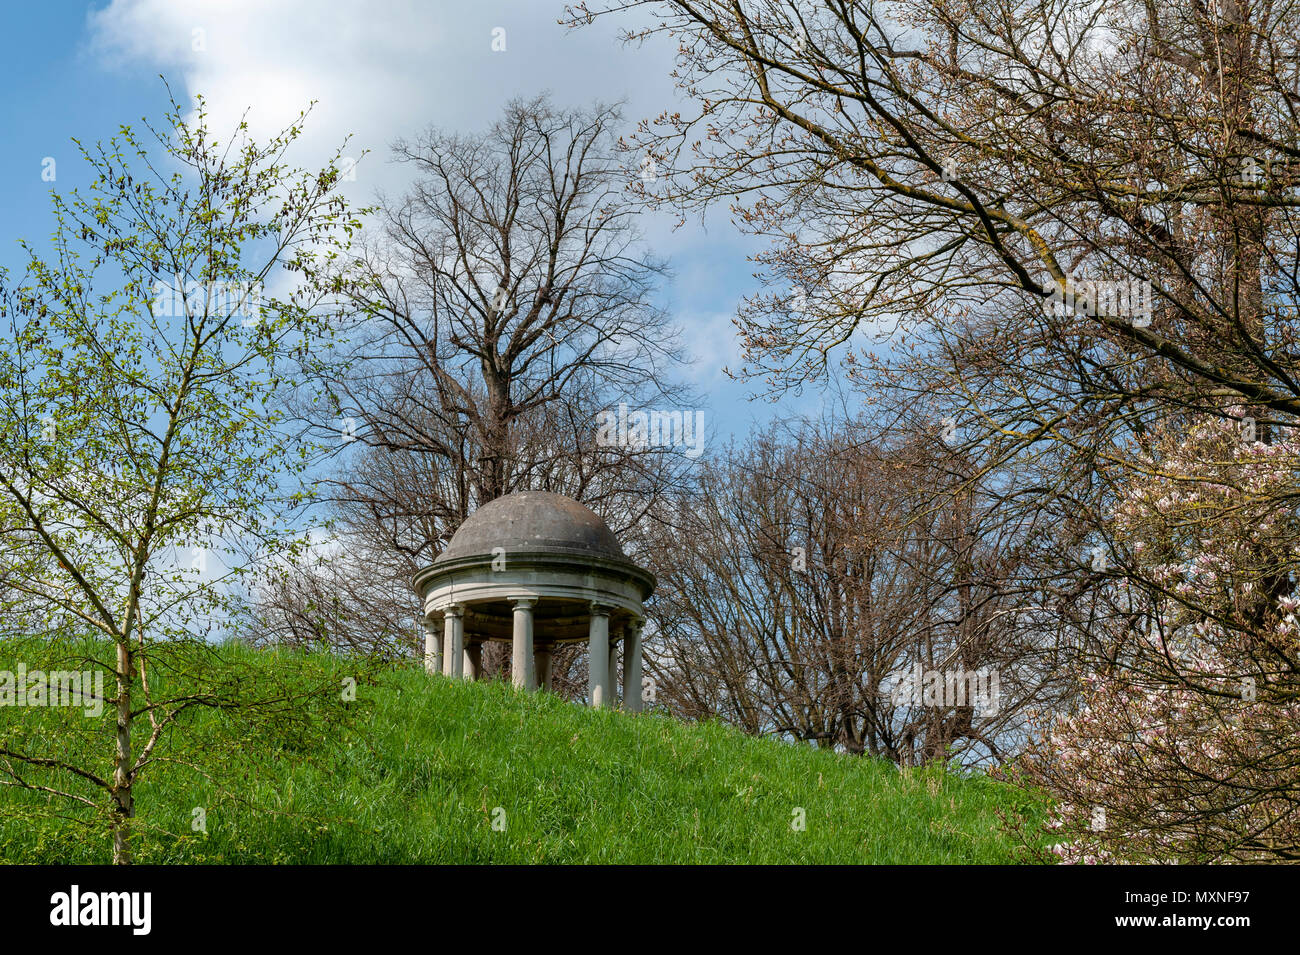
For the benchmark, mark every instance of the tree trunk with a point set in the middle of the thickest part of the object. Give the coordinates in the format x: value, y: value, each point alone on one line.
x: 123, y: 804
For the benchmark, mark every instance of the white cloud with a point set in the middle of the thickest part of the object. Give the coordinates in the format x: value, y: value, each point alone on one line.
x: 380, y: 71
x: 712, y: 339
x: 377, y: 70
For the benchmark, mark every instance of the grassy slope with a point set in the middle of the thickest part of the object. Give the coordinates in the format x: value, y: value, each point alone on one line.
x: 417, y: 774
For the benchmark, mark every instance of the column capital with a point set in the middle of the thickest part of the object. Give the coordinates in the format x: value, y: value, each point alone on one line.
x: 600, y: 609
x: 522, y: 603
x: 453, y: 610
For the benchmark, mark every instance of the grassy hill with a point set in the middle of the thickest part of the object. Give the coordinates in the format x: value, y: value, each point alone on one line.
x: 424, y: 770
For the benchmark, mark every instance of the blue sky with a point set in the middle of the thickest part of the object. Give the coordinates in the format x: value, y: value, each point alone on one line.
x: 378, y: 70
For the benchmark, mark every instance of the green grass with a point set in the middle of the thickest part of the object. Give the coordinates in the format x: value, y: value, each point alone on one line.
x: 419, y: 769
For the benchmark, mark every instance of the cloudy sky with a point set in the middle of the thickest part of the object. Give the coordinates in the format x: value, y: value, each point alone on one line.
x: 378, y: 70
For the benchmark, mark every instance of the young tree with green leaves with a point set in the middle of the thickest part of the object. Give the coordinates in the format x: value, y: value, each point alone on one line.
x: 145, y: 472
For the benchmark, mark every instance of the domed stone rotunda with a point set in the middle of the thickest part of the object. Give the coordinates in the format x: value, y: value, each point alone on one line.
x: 537, y: 569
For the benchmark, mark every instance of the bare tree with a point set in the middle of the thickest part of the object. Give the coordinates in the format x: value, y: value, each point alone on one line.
x: 810, y: 588
x: 510, y: 302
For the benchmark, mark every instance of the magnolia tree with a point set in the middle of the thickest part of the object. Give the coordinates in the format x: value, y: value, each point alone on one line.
x: 1183, y: 748
x: 144, y: 467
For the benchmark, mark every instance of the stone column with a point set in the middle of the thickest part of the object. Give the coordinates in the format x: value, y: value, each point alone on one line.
x: 632, y: 667
x: 432, y: 647
x: 453, y: 637
x: 613, y: 668
x: 473, y: 660
x: 598, y: 656
x: 542, y: 658
x: 521, y: 659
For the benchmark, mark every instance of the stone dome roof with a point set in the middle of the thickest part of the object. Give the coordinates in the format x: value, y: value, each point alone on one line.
x: 533, y: 521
